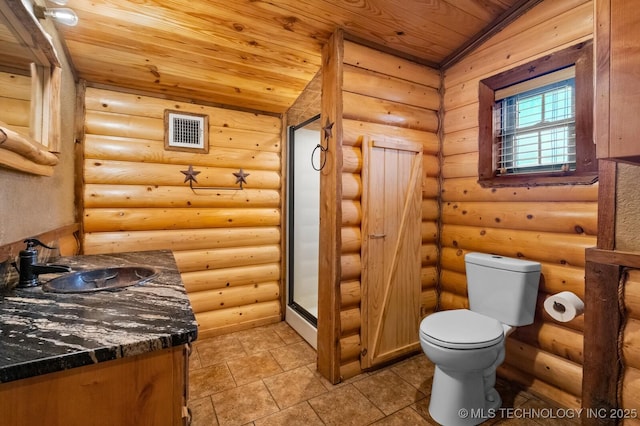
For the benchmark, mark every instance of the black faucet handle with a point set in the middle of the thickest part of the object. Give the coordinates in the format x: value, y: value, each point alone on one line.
x: 33, y: 242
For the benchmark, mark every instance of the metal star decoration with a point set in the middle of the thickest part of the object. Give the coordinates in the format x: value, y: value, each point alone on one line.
x: 328, y: 130
x: 240, y: 177
x: 190, y: 174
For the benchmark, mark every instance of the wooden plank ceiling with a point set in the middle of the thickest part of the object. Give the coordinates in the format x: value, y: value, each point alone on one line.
x: 256, y: 54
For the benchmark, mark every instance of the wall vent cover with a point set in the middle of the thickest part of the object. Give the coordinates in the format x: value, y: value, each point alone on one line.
x: 185, y: 131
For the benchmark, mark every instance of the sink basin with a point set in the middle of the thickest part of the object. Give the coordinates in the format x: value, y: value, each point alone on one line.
x: 100, y: 279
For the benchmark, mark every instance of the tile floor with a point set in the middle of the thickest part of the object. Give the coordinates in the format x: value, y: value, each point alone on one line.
x: 267, y: 376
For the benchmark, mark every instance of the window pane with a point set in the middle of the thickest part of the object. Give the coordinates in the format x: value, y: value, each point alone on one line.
x: 558, y: 104
x: 554, y: 147
x: 529, y: 111
x: 538, y: 129
x: 527, y: 149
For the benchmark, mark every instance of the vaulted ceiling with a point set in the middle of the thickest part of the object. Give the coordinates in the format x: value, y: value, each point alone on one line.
x: 259, y: 54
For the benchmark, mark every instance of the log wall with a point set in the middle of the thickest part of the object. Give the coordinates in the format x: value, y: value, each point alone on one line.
x: 384, y: 97
x: 551, y: 225
x: 629, y: 392
x: 227, y: 243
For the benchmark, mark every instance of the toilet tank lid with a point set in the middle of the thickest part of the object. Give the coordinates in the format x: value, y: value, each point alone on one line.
x: 502, y: 262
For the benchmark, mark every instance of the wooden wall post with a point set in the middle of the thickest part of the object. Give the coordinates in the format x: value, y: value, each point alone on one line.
x: 607, y: 204
x: 602, y: 319
x: 329, y: 275
x: 78, y: 135
x: 601, y: 364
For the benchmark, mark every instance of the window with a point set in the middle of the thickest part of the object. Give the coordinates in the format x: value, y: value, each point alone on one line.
x: 536, y: 123
x: 27, y: 50
x: 536, y: 127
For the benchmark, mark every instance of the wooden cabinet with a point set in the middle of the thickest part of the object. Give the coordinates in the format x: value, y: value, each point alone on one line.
x: 617, y: 94
x: 146, y: 389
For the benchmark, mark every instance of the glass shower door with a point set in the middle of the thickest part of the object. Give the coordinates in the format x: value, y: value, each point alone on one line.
x: 303, y: 227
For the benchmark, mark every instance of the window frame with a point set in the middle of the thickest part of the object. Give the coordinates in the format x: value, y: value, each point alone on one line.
x: 586, y: 173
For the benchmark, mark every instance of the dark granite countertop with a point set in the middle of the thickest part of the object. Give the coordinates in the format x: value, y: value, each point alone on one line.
x: 43, y: 332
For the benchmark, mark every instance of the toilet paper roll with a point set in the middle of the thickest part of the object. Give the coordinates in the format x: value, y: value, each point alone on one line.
x: 564, y: 306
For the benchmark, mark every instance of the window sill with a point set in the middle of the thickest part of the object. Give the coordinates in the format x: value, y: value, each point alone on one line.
x: 555, y: 179
x: 24, y: 154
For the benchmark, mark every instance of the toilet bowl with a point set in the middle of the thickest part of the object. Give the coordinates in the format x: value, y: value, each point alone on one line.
x: 467, y: 345
x: 464, y: 375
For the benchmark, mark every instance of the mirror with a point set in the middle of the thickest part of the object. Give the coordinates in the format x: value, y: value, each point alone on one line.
x: 29, y: 91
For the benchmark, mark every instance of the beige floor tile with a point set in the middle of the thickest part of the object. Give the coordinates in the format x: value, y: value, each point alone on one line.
x: 243, y: 404
x: 194, y: 359
x: 542, y: 413
x: 388, y: 391
x: 219, y: 349
x: 405, y: 417
x: 345, y: 406
x: 328, y: 385
x: 268, y: 376
x: 418, y: 371
x: 286, y: 333
x: 259, y: 339
x: 299, y: 415
x: 511, y: 394
x: 202, y: 413
x: 422, y: 408
x: 253, y: 367
x: 521, y: 422
x: 294, y: 386
x: 209, y: 380
x: 294, y: 355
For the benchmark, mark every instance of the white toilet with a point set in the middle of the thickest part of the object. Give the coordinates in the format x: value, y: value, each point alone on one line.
x: 467, y: 345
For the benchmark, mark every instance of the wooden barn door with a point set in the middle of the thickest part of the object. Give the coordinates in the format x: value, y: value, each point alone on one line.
x: 391, y: 283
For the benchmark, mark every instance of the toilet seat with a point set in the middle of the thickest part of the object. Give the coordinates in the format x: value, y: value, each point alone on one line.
x: 461, y: 329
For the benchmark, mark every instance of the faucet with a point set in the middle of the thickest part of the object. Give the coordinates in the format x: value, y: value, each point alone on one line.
x: 29, y: 269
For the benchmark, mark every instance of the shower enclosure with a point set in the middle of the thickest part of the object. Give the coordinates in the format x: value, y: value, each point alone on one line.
x: 303, y: 223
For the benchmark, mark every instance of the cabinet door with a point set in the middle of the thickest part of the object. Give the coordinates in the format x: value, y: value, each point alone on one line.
x: 392, y: 216
x: 145, y: 389
x: 617, y: 35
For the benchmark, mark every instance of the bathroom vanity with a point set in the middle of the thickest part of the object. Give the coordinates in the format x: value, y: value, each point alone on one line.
x: 105, y: 357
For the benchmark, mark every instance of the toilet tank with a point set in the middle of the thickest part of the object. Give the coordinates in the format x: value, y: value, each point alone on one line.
x: 502, y: 287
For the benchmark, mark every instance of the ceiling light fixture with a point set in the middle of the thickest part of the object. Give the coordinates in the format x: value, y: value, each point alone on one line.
x: 62, y: 15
